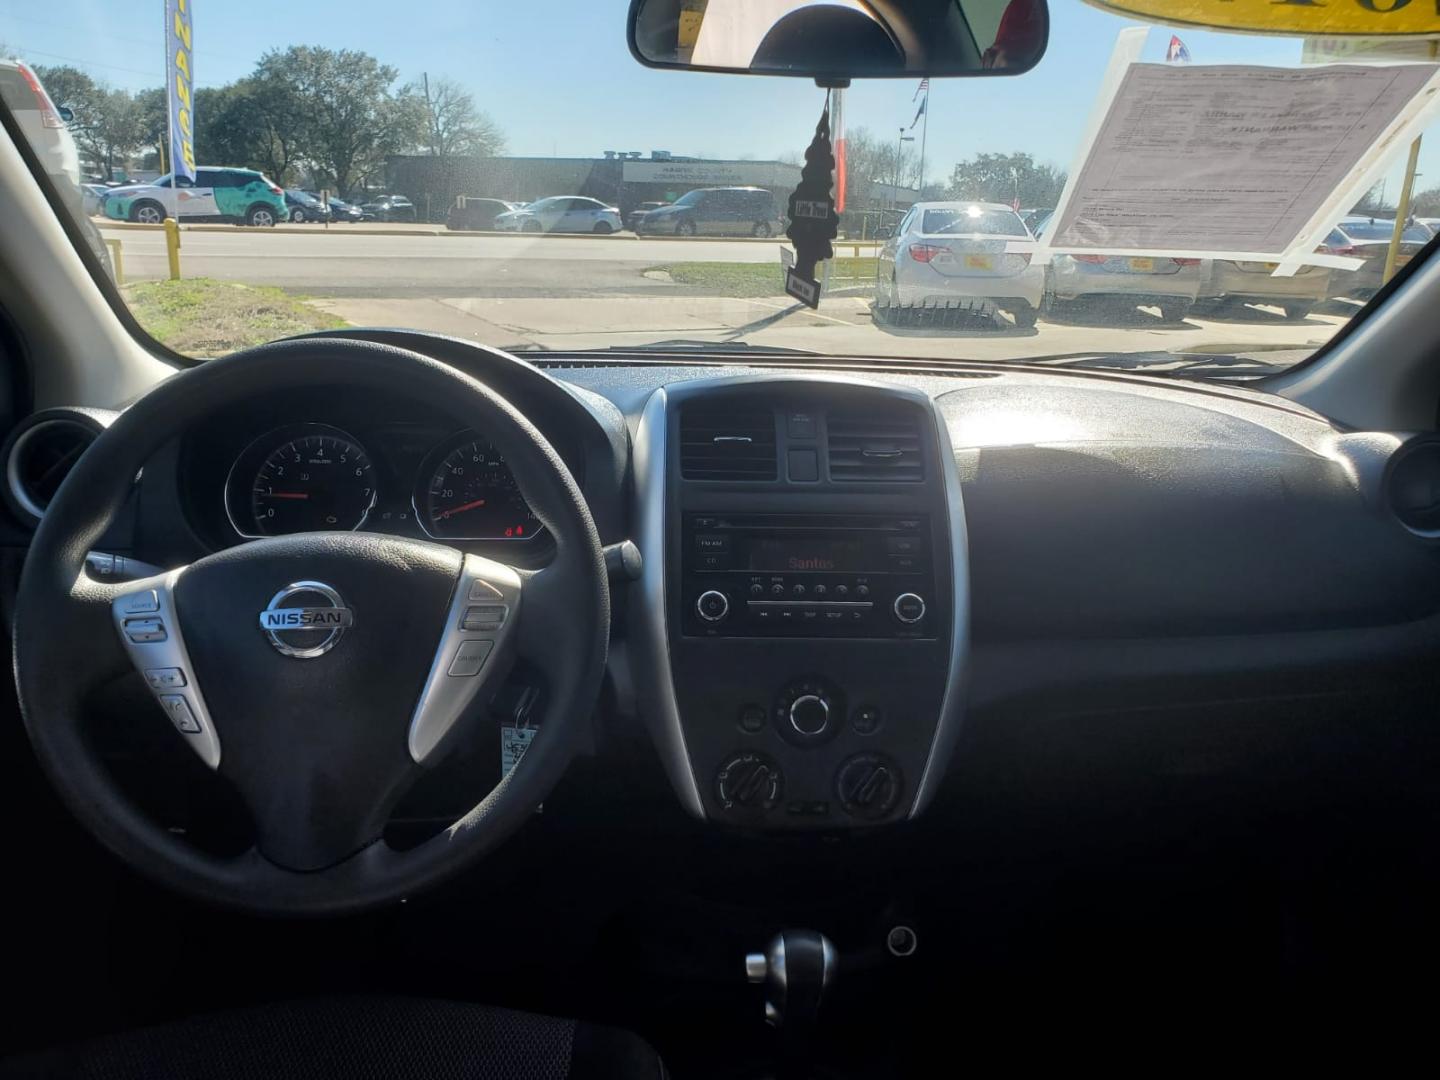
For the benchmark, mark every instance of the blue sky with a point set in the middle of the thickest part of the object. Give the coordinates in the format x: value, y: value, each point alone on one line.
x: 558, y: 78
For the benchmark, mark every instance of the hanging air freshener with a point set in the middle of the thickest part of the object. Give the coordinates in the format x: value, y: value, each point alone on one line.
x: 813, y: 221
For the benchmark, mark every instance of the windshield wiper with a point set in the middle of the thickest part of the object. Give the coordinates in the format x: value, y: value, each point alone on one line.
x: 684, y: 345
x: 1185, y: 365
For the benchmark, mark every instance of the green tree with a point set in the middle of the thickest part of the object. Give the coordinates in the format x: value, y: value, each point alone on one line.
x: 456, y: 125
x: 875, y: 166
x: 107, y: 125
x: 1004, y: 177
x: 342, y: 113
x: 1426, y: 203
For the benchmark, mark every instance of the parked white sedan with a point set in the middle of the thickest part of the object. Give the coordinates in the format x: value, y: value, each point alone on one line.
x: 562, y: 213
x: 959, y: 254
x: 1170, y: 284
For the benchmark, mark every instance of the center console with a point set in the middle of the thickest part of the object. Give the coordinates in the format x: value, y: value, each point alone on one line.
x: 804, y: 598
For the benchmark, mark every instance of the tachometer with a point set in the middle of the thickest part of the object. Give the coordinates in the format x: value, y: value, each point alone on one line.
x: 310, y: 477
x: 468, y: 493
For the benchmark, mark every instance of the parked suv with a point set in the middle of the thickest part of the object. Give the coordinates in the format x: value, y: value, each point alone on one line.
x: 726, y: 211
x: 389, y: 208
x: 240, y: 196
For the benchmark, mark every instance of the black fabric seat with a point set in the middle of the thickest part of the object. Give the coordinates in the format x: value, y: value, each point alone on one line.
x: 359, y: 1038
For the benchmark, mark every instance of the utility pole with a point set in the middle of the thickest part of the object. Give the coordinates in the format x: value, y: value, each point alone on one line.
x: 899, y: 150
x: 430, y: 115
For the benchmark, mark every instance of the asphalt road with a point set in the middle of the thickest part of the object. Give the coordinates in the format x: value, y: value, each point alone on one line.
x: 354, y: 261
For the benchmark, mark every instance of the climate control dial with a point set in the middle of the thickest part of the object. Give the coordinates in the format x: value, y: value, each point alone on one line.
x: 749, y: 781
x: 869, y: 786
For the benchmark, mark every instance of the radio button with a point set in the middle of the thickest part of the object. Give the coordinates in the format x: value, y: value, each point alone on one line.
x: 798, y: 590
x: 842, y: 590
x: 909, y: 608
x: 777, y: 589
x: 904, y: 563
x: 904, y: 545
x: 862, y: 590
x: 820, y: 590
x: 712, y: 606
x: 757, y: 589
x: 709, y: 563
x: 716, y: 542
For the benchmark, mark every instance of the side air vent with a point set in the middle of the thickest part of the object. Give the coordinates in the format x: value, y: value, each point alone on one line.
x: 875, y: 447
x: 1412, y: 487
x: 41, y: 457
x: 727, y: 442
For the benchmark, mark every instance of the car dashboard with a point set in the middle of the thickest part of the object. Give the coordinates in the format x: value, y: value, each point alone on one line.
x: 863, y: 588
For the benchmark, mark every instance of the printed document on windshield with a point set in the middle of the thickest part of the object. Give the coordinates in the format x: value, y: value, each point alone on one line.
x: 1238, y: 159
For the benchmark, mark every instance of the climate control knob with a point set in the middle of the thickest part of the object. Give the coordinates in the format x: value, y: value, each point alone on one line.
x: 869, y: 786
x: 810, y: 714
x: 712, y: 606
x: 749, y: 781
x: 909, y: 608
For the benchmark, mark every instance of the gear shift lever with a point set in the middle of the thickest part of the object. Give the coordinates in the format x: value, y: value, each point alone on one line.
x: 797, y: 968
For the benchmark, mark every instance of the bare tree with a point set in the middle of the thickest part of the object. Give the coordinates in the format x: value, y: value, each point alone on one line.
x: 456, y: 125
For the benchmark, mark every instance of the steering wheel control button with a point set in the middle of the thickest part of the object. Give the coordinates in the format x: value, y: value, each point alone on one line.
x: 909, y: 608
x: 483, y: 590
x: 712, y: 606
x: 867, y: 720
x: 141, y: 603
x: 810, y: 715
x: 470, y: 657
x: 483, y: 617
x: 165, y: 678
x: 145, y: 631
x: 752, y: 718
x: 178, y: 709
x: 468, y: 663
x: 749, y: 781
x: 869, y: 786
x: 306, y: 619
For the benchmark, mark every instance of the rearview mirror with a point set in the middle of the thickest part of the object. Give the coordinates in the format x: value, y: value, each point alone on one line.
x: 834, y: 41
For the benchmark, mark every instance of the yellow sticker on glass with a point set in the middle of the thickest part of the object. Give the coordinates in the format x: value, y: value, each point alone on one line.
x: 689, y: 31
x: 1310, y: 18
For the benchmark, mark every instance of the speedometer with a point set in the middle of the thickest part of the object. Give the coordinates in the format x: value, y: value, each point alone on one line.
x: 468, y: 494
x: 303, y: 478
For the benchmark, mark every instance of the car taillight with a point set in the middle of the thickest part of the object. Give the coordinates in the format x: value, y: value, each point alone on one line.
x: 48, y: 116
x: 923, y: 253
x: 1187, y: 262
x: 1346, y: 250
x: 275, y: 189
x: 1093, y: 260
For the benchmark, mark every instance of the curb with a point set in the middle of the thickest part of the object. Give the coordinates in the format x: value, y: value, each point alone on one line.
x: 440, y: 230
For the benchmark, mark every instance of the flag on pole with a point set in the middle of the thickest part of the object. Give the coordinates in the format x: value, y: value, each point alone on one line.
x: 920, y: 112
x: 179, y: 91
x: 923, y: 88
x: 1177, y: 53
x: 837, y: 142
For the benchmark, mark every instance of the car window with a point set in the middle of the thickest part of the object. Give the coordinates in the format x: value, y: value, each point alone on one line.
x: 973, y: 219
x: 1383, y: 230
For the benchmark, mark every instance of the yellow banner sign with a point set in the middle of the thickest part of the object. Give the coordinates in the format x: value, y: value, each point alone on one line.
x: 1311, y: 18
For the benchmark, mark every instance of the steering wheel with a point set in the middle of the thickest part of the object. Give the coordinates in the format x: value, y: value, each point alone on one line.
x: 323, y: 673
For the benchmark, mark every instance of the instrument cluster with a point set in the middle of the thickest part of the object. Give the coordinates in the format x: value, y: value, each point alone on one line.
x: 404, y: 478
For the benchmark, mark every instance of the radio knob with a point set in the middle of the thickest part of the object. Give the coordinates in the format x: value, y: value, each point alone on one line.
x: 712, y: 606
x: 810, y: 714
x: 909, y: 608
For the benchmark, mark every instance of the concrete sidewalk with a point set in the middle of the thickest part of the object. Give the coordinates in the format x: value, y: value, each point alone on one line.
x: 842, y: 326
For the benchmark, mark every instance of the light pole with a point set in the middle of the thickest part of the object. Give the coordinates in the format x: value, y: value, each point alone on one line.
x: 899, y: 150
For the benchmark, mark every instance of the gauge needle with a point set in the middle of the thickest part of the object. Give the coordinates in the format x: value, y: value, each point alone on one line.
x: 288, y: 495
x: 462, y: 508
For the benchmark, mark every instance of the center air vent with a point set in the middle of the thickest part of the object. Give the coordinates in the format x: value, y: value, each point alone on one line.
x: 40, y: 459
x: 880, y: 447
x: 727, y: 442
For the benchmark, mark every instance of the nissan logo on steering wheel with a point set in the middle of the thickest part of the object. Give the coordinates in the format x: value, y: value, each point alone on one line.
x: 306, y: 619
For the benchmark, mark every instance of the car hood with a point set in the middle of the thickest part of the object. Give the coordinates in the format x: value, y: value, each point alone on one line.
x: 663, y: 211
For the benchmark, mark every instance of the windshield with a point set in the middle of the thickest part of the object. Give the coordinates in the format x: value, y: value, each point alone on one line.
x: 396, y: 125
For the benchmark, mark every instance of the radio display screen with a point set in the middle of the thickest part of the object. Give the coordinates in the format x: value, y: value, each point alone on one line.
x: 790, y: 554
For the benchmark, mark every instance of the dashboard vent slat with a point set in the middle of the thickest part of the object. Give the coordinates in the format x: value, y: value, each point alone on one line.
x: 875, y: 448
x: 727, y: 443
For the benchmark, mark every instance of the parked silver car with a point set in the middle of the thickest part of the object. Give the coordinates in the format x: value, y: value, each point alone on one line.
x: 944, y: 253
x: 1169, y: 284
x: 562, y: 213
x: 1369, y: 238
x: 1256, y: 283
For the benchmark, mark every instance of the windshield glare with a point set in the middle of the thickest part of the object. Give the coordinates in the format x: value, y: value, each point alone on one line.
x: 406, y: 136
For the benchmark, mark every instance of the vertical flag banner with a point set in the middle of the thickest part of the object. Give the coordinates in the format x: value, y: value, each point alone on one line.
x: 1177, y: 53
x: 180, y: 86
x: 837, y: 142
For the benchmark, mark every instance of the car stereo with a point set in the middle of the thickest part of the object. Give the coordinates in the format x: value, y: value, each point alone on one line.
x: 808, y: 575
